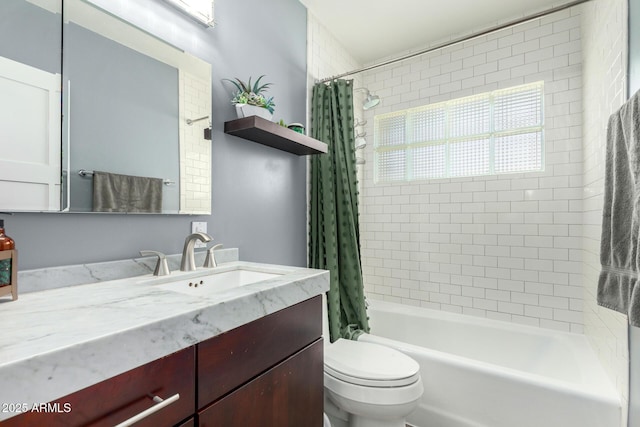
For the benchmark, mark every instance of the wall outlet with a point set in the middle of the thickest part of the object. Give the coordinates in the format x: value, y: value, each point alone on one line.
x: 199, y: 227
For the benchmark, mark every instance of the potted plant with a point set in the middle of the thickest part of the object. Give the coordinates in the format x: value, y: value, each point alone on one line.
x: 250, y: 99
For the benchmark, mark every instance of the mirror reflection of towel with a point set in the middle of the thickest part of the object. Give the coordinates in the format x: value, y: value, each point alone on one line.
x: 125, y: 193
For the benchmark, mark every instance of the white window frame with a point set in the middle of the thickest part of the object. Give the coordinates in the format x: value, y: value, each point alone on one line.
x: 408, y: 145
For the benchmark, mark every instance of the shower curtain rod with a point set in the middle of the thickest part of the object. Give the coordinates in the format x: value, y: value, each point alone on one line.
x: 458, y: 40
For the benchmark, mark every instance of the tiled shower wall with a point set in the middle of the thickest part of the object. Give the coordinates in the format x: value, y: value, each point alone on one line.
x: 195, y: 151
x: 604, y: 24
x: 325, y: 54
x: 506, y: 247
x: 327, y: 57
x: 402, y: 225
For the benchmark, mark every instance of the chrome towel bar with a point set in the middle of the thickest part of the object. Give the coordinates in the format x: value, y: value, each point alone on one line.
x: 86, y: 173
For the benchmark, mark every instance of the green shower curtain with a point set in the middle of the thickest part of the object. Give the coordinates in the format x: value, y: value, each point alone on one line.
x: 334, y: 237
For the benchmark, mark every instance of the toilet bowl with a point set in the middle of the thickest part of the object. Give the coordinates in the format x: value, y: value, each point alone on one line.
x: 368, y: 385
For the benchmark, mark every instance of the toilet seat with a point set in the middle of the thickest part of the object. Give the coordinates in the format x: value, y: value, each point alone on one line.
x: 369, y: 365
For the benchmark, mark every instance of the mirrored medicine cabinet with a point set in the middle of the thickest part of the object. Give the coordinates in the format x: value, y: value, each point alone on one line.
x: 83, y: 91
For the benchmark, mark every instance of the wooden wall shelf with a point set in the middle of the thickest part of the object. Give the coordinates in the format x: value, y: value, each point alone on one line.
x: 264, y: 132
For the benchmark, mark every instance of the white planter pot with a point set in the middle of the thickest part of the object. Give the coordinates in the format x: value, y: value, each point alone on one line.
x: 246, y: 110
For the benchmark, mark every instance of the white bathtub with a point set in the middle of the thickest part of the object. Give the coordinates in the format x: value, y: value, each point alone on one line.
x: 483, y: 373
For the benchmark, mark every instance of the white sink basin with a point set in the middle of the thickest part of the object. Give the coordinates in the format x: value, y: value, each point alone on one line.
x: 215, y: 282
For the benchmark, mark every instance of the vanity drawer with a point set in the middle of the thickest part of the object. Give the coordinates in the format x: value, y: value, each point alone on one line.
x: 229, y: 360
x: 126, y: 395
x: 288, y: 395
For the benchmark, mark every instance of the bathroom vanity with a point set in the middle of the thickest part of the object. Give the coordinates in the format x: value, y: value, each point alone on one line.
x: 251, y: 355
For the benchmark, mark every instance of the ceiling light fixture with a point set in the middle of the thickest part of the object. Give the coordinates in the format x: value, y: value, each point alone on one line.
x: 200, y: 10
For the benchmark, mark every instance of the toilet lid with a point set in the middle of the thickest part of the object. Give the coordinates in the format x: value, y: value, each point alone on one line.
x: 369, y: 364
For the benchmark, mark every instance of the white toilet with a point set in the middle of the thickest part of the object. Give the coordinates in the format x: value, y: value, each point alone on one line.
x: 368, y: 385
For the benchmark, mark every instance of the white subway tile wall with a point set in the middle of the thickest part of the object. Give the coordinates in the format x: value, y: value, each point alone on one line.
x: 327, y: 57
x: 195, y: 151
x: 604, y: 29
x: 475, y: 245
x: 494, y: 246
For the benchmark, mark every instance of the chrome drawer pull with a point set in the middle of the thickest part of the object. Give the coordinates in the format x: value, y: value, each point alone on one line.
x: 144, y: 414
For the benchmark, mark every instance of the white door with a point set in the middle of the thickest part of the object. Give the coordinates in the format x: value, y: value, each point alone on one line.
x: 29, y: 138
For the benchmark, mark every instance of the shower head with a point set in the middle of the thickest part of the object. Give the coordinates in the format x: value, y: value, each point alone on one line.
x: 371, y: 101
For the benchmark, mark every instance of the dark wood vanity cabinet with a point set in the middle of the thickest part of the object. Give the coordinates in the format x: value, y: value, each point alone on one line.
x: 267, y: 373
x: 117, y: 399
x: 287, y: 395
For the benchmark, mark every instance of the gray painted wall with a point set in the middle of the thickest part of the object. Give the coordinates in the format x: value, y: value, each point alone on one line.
x: 31, y: 35
x: 259, y: 193
x: 122, y: 121
x: 634, y: 333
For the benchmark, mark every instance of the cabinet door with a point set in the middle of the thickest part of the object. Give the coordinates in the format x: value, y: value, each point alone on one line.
x: 30, y: 143
x: 188, y: 423
x: 288, y: 395
x: 124, y: 396
x: 233, y: 358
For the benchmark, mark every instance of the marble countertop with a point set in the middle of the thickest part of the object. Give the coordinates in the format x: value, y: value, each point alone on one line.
x: 59, y: 341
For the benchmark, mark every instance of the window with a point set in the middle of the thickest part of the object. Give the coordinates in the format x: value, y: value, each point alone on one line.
x: 491, y: 133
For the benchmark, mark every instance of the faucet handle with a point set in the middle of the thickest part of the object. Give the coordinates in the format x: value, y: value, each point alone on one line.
x: 162, y: 268
x: 210, y: 260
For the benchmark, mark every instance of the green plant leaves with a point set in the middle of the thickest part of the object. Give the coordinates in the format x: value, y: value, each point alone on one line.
x: 257, y: 89
x: 252, y: 94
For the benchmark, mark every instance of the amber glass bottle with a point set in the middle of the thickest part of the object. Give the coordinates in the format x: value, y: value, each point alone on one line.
x: 6, y: 244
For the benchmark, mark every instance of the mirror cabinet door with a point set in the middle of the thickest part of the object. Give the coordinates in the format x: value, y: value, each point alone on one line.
x: 30, y: 69
x: 130, y: 104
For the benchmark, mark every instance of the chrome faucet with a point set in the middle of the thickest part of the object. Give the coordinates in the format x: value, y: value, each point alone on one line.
x: 162, y: 268
x: 210, y: 260
x: 188, y: 262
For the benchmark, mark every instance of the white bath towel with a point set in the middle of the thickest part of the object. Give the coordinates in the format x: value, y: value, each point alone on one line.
x: 619, y: 252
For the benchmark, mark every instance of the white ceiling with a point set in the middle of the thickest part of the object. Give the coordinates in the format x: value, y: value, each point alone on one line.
x: 375, y: 29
